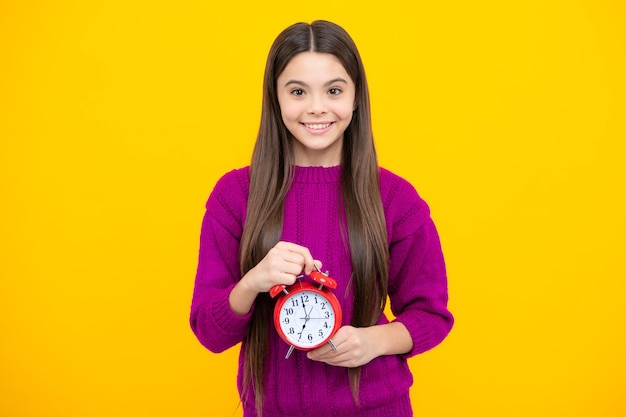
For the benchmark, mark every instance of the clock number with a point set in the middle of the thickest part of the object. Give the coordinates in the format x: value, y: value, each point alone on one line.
x: 326, y: 315
x: 294, y: 302
x: 291, y: 331
x: 310, y: 337
x: 321, y: 333
x: 286, y: 320
x: 323, y: 306
x: 289, y: 311
x: 304, y: 298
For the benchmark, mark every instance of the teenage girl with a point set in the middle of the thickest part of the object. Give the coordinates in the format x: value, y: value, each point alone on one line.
x: 314, y: 194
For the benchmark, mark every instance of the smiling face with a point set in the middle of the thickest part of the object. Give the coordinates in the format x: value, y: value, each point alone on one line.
x: 316, y: 97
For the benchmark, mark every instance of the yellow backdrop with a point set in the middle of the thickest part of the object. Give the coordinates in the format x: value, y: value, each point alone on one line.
x: 117, y: 117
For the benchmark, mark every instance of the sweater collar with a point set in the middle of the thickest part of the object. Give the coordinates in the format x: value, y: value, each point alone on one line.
x: 317, y: 174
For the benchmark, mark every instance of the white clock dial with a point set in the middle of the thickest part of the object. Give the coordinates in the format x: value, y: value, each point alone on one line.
x: 307, y: 319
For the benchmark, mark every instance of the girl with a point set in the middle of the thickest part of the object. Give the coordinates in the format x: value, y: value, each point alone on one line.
x: 314, y: 194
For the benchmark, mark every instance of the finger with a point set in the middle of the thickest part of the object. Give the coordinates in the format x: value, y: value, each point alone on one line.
x: 309, y: 265
x: 345, y: 356
x: 343, y: 343
x: 283, y: 260
x: 307, y: 261
x: 345, y: 359
x: 326, y: 351
x: 319, y: 355
x: 293, y: 247
x: 287, y: 279
x: 317, y: 264
x: 348, y: 363
x: 295, y: 259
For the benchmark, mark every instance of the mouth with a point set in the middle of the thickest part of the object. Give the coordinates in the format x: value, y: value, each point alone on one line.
x: 317, y: 126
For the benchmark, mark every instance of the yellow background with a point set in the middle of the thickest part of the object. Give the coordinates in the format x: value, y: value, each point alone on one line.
x: 117, y: 117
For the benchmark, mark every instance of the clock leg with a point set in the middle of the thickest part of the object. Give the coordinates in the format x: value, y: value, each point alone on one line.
x: 332, y: 345
x: 289, y: 351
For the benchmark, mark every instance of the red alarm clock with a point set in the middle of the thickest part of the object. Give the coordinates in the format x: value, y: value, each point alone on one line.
x: 307, y: 314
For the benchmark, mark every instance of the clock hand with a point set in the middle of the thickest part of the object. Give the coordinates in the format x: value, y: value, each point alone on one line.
x: 301, y: 331
x: 306, y: 319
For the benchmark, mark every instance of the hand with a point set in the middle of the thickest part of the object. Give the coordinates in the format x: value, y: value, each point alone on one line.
x: 282, y: 264
x: 355, y: 347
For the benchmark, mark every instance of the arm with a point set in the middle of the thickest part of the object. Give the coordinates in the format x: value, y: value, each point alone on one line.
x: 223, y: 301
x: 418, y: 283
x: 358, y: 346
x: 222, y: 304
x: 418, y: 294
x: 417, y: 289
x: 282, y: 264
x: 213, y: 322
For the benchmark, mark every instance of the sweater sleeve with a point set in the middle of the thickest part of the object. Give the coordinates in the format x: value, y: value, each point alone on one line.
x: 418, y: 289
x: 212, y: 321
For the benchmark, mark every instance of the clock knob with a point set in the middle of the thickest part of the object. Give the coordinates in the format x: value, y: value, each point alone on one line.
x: 277, y: 289
x: 322, y: 279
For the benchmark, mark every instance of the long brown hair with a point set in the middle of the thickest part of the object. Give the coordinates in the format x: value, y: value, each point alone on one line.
x: 271, y: 173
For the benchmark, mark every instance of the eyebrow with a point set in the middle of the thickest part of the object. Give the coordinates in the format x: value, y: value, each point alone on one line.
x: 302, y: 83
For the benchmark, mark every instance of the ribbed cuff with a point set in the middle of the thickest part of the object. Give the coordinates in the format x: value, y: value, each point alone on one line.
x: 224, y: 318
x: 420, y: 334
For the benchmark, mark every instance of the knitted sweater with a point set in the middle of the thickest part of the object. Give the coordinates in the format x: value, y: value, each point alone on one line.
x: 417, y: 292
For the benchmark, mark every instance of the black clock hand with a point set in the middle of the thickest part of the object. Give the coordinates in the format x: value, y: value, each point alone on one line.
x: 301, y: 331
x: 306, y: 316
x: 306, y: 319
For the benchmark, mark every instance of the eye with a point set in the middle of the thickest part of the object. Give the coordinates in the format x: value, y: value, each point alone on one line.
x: 297, y: 92
x: 334, y: 91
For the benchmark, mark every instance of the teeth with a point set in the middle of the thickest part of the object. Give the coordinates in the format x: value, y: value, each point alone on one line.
x: 317, y: 126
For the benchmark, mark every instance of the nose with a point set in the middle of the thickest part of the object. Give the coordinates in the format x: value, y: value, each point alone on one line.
x: 317, y: 104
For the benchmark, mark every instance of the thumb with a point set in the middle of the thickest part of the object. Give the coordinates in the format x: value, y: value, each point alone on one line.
x: 316, y: 265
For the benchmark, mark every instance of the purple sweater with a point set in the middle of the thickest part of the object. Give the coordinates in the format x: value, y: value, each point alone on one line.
x: 417, y: 291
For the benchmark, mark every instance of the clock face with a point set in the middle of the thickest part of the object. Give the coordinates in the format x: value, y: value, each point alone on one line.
x: 307, y: 318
